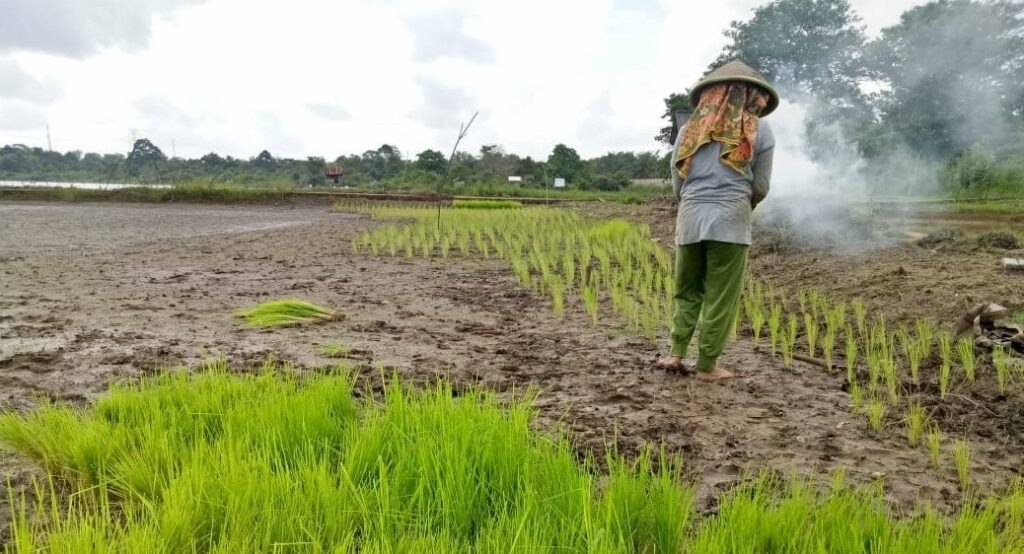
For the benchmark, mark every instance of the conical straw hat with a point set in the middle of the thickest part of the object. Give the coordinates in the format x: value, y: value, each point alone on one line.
x: 736, y: 71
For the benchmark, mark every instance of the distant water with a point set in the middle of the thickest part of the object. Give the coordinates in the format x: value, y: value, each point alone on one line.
x: 92, y: 186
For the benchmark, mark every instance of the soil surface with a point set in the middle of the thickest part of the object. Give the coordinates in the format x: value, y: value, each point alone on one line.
x: 94, y: 293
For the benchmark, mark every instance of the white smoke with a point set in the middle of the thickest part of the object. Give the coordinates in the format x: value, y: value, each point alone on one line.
x: 799, y: 179
x: 811, y: 196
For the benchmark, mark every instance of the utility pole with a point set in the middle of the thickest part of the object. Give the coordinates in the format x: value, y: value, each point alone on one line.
x: 174, y: 152
x: 49, y: 143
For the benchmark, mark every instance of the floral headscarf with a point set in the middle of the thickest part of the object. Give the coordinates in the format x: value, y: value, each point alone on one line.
x: 727, y: 113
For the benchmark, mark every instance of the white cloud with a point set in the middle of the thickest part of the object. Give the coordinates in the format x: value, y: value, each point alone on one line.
x: 78, y: 29
x: 21, y: 116
x: 16, y: 83
x: 326, y: 78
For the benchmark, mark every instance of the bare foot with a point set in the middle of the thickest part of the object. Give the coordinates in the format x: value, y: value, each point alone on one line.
x: 717, y: 374
x: 672, y: 364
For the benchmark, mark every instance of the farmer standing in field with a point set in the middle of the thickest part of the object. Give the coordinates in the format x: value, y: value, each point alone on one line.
x: 722, y: 164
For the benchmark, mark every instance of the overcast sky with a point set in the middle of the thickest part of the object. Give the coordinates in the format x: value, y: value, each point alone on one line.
x: 324, y: 78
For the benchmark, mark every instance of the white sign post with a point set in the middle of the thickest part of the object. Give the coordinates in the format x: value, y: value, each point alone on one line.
x: 559, y: 183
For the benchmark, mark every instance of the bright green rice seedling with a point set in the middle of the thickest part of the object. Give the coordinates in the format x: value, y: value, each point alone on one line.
x: 876, y: 414
x: 550, y: 251
x: 962, y: 461
x: 734, y: 327
x: 770, y: 513
x: 277, y: 313
x: 226, y: 463
x: 856, y: 396
x: 852, y: 349
x: 924, y: 337
x: 965, y: 348
x: 859, y: 316
x: 753, y: 302
x: 334, y: 350
x: 914, y: 361
x: 789, y: 341
x: 271, y: 462
x: 775, y: 327
x: 828, y: 347
x: 811, y: 331
x: 917, y: 419
x: 934, y: 442
x: 892, y: 383
x: 1000, y: 364
x: 946, y: 351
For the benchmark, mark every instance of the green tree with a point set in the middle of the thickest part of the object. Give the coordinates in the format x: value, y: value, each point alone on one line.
x: 144, y: 159
x: 810, y: 46
x: 565, y: 162
x: 954, y: 71
x: 264, y: 161
x: 675, y: 102
x: 529, y: 169
x: 431, y: 160
x: 494, y: 163
x: 315, y: 166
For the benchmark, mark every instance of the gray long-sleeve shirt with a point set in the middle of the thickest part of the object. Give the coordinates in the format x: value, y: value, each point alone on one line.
x: 715, y: 202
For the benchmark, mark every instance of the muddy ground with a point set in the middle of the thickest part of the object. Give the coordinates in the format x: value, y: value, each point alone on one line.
x: 100, y: 292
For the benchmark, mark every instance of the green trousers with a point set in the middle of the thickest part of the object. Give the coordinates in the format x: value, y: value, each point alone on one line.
x: 709, y: 278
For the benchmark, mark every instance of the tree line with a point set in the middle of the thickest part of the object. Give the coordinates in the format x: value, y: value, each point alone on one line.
x: 386, y: 165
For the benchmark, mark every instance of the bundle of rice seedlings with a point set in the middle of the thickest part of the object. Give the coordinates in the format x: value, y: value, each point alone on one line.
x: 285, y: 312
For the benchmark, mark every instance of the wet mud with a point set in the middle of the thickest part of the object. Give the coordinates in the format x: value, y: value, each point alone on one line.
x: 94, y: 293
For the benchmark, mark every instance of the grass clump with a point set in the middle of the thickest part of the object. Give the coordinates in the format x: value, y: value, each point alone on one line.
x: 285, y: 312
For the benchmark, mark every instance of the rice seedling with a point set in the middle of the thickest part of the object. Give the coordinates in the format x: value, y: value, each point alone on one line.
x: 1000, y: 364
x: 775, y: 327
x: 962, y: 461
x: 334, y: 350
x: 856, y: 396
x: 285, y: 312
x: 755, y: 310
x: 934, y: 441
x: 946, y: 351
x: 811, y: 333
x: 965, y: 348
x: 789, y: 341
x: 769, y: 513
x: 734, y: 327
x: 550, y: 251
x: 219, y: 462
x: 875, y: 410
x: 589, y: 295
x: 828, y: 347
x: 852, y: 348
x: 892, y: 383
x: 913, y: 351
x: 266, y: 462
x: 924, y: 337
x: 859, y: 316
x: 917, y: 419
